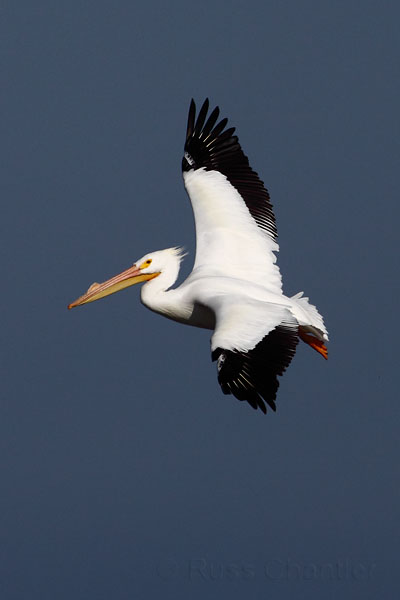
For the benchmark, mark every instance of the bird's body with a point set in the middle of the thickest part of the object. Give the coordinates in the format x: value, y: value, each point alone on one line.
x: 235, y: 287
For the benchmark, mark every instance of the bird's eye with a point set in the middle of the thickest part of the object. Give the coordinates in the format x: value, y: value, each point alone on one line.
x: 146, y: 263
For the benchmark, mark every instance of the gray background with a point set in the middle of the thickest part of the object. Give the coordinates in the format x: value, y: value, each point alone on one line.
x: 125, y: 473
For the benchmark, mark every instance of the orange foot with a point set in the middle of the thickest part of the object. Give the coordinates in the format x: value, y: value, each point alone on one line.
x: 314, y: 342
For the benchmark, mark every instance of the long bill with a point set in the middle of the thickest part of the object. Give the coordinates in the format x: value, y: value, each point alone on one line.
x: 121, y: 281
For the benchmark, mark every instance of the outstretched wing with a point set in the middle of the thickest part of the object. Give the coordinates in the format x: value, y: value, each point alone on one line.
x: 252, y: 375
x: 235, y: 223
x: 253, y: 343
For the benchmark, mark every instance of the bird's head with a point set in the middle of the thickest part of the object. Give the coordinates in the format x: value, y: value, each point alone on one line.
x: 148, y: 267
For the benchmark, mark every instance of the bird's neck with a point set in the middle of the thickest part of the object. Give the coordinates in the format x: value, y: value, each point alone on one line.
x: 157, y: 296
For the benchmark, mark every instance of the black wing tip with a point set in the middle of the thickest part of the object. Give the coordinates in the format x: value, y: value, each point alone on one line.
x: 199, y: 124
x: 253, y: 376
x: 192, y: 115
x: 255, y: 397
x: 210, y: 145
x: 193, y: 103
x: 191, y: 119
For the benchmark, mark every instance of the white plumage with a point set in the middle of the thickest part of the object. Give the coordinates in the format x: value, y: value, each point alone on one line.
x: 235, y: 287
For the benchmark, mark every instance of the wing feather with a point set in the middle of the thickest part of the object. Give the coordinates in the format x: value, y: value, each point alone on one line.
x: 253, y: 375
x: 253, y: 343
x: 235, y: 224
x: 213, y: 148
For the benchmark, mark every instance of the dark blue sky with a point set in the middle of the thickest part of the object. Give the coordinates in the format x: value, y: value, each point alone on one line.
x: 125, y: 471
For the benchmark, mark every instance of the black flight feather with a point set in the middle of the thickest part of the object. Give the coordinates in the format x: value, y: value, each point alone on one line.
x: 208, y: 146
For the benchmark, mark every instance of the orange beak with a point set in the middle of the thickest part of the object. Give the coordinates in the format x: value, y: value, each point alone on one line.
x: 125, y: 279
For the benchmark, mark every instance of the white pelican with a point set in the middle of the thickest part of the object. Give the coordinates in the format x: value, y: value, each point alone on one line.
x: 235, y: 287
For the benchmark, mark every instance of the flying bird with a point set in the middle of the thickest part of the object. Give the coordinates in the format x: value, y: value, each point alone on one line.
x: 235, y: 287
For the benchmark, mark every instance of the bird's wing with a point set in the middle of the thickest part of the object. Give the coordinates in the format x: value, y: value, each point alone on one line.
x: 235, y: 224
x: 253, y: 343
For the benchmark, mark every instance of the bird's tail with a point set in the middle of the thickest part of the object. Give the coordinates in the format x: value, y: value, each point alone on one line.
x: 312, y: 329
